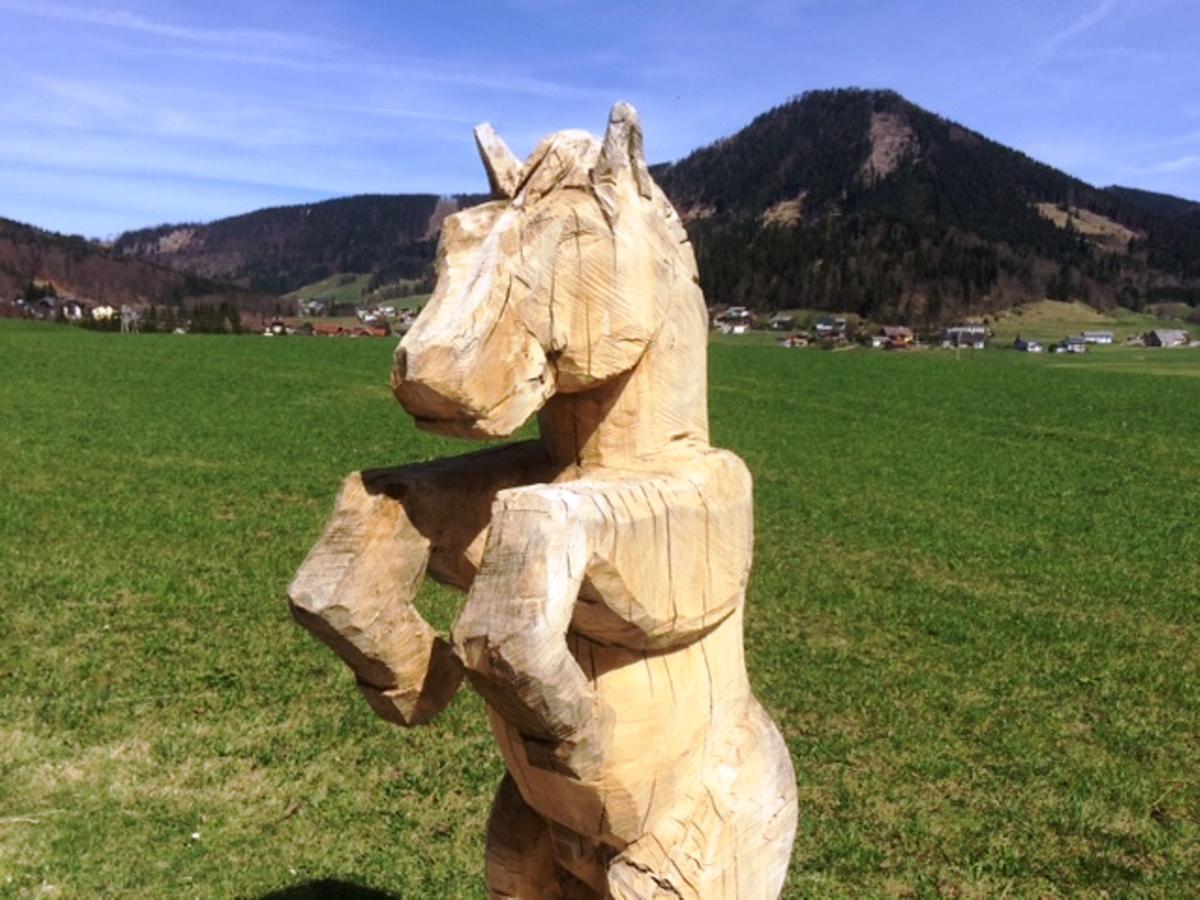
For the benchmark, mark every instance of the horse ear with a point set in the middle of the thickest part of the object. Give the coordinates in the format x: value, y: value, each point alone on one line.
x: 622, y: 150
x: 503, y: 168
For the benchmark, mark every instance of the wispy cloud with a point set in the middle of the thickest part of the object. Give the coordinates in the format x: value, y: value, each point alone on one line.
x: 280, y: 41
x: 393, y: 112
x: 1130, y: 155
x: 1179, y: 164
x: 1079, y: 25
x: 360, y: 63
x: 181, y: 108
x: 1127, y: 55
x: 140, y: 112
x: 105, y: 155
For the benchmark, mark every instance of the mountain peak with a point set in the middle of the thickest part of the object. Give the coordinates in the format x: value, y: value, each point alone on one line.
x: 858, y: 200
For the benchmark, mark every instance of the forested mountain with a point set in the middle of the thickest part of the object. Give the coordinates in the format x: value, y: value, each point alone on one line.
x: 278, y: 250
x: 849, y: 200
x: 78, y: 267
x: 860, y: 201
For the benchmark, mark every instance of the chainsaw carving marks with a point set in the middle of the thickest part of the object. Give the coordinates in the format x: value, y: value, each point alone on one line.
x: 604, y: 563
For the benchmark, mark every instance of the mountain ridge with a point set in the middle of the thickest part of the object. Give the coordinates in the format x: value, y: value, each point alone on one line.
x: 1154, y: 201
x: 899, y: 213
x: 79, y: 267
x: 279, y: 249
x: 847, y: 200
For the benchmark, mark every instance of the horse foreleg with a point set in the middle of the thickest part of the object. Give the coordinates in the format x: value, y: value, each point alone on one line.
x: 512, y: 632
x: 355, y: 590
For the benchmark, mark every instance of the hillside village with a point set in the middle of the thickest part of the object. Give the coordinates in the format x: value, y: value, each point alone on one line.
x: 807, y: 329
x: 796, y: 329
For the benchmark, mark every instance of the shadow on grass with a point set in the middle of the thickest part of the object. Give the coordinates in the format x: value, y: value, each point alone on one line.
x: 329, y: 889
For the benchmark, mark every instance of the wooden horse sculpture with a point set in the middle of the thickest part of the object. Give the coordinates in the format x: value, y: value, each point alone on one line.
x: 605, y: 563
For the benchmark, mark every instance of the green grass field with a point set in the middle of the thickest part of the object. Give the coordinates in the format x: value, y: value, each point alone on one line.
x: 352, y: 288
x: 1052, y: 320
x: 974, y: 613
x: 341, y: 288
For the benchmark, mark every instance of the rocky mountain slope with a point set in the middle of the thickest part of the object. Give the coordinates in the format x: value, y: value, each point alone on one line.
x: 861, y: 201
x: 278, y: 250
x: 78, y: 267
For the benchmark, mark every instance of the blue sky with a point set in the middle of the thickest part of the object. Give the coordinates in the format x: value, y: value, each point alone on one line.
x: 119, y: 113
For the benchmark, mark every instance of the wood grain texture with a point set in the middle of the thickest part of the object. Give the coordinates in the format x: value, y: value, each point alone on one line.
x: 605, y: 563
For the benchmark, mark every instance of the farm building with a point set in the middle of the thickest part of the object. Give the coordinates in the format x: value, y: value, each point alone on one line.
x: 1070, y: 345
x: 897, y: 335
x: 1098, y: 337
x: 42, y: 308
x: 781, y: 322
x: 1167, y: 337
x: 827, y: 327
x: 74, y: 310
x: 970, y: 334
x: 734, y: 320
x: 1026, y: 346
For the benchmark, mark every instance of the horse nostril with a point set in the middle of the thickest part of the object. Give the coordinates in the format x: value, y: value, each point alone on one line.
x: 401, y: 370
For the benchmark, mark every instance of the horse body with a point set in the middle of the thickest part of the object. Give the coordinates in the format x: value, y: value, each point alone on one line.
x: 605, y: 562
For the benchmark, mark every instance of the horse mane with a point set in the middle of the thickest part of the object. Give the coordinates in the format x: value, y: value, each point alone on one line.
x: 562, y: 160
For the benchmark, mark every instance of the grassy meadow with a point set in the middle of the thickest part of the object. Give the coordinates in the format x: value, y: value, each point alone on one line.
x: 346, y: 288
x: 1044, y: 320
x: 1053, y: 320
x: 340, y: 288
x: 974, y: 613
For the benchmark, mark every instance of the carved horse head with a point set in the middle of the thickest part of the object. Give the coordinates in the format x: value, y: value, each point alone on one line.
x: 558, y: 286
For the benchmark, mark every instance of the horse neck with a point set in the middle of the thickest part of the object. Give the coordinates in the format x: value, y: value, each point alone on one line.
x: 640, y: 419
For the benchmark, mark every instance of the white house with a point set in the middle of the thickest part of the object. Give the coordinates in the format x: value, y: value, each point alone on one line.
x: 735, y: 320
x: 828, y: 327
x: 780, y: 322
x: 970, y: 334
x: 1167, y: 337
x: 1071, y: 345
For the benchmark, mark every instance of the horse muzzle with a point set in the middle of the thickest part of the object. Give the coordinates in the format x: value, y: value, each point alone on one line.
x: 467, y: 401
